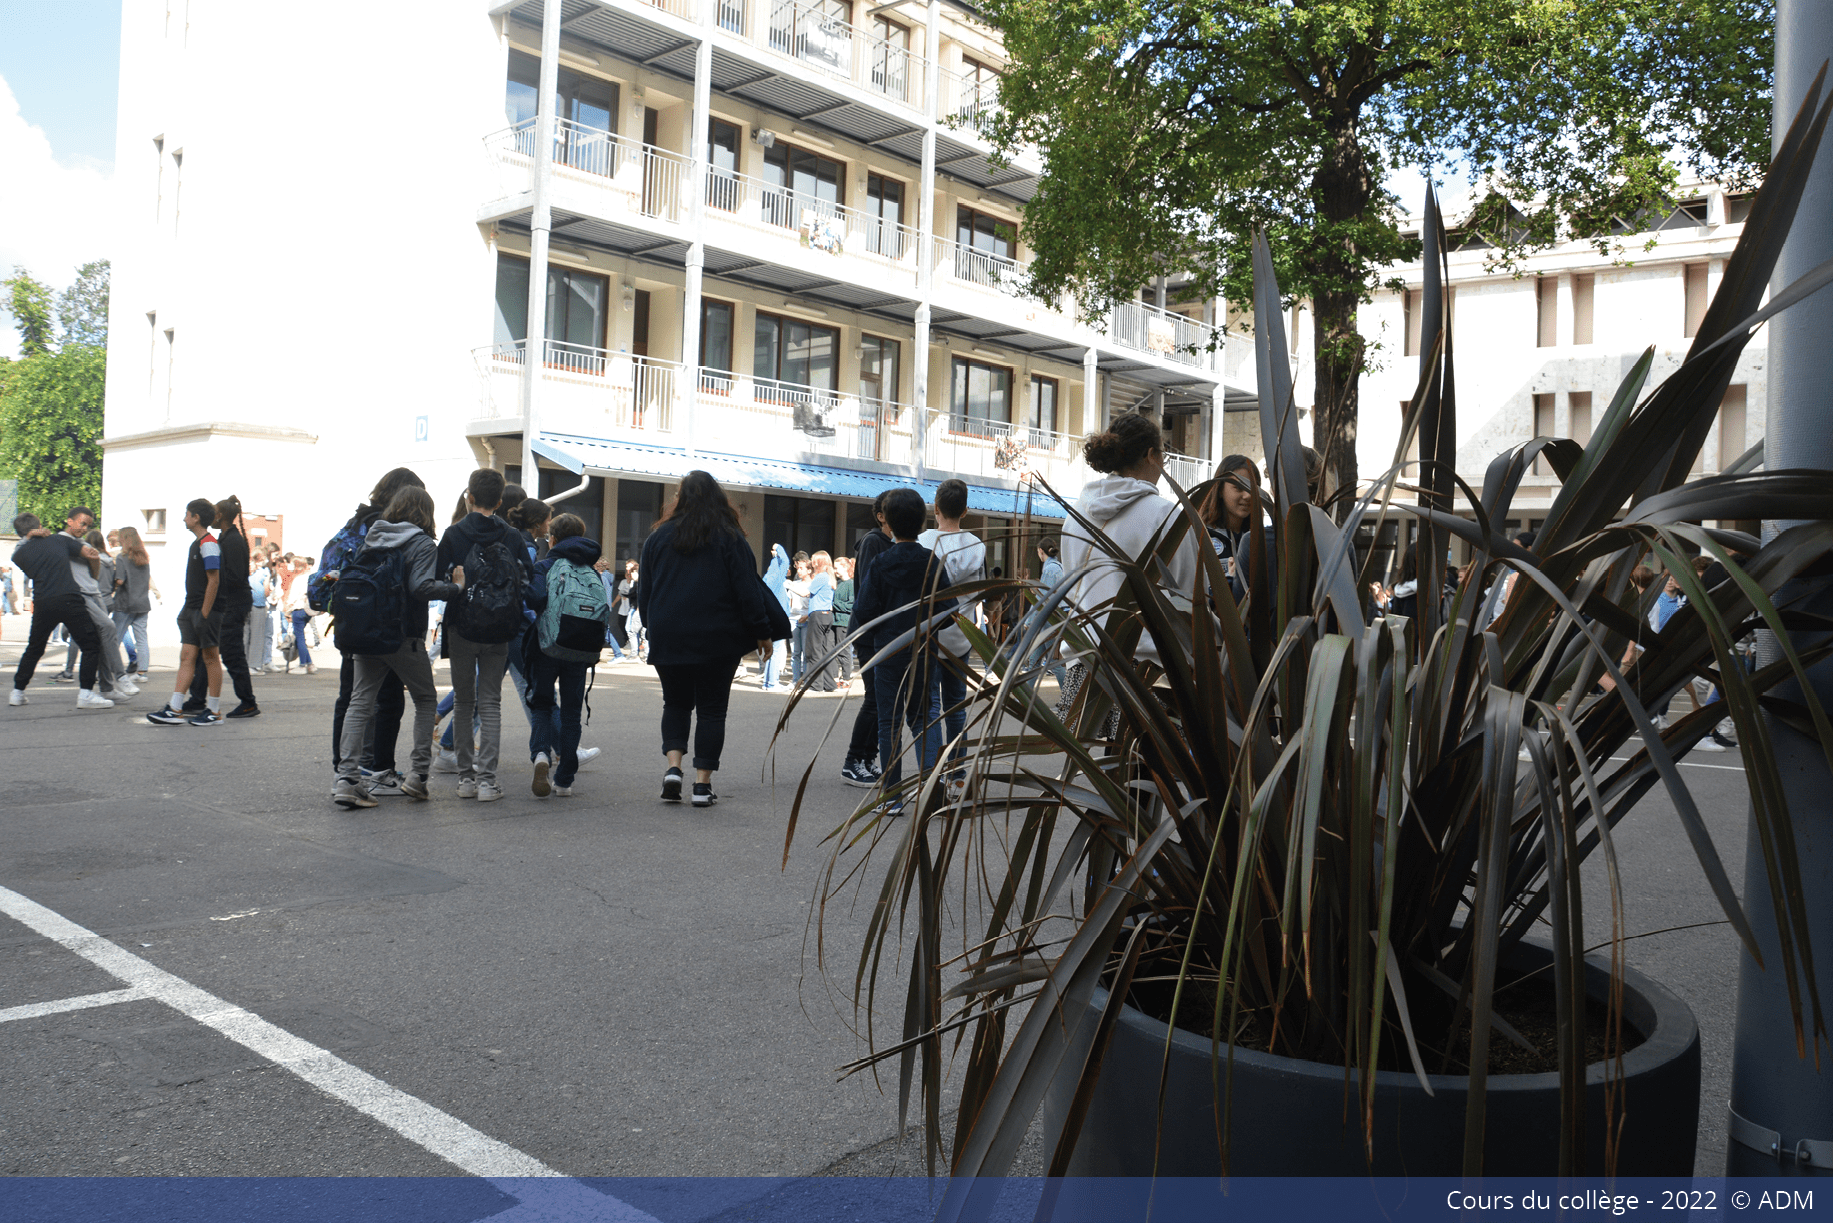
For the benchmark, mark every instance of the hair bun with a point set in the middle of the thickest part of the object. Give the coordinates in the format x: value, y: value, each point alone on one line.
x: 1130, y: 438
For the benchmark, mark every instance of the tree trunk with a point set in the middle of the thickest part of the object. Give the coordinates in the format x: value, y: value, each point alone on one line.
x: 1342, y: 189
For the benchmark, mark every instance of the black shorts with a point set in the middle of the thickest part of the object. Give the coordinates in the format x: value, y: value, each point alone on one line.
x: 195, y: 628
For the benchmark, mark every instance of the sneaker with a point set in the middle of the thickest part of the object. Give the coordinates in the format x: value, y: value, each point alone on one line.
x: 563, y: 791
x: 703, y: 794
x: 348, y: 794
x: 385, y: 785
x: 540, y: 786
x: 895, y: 807
x: 1723, y: 740
x: 17, y: 698
x: 858, y: 773
x: 64, y: 677
x: 247, y: 709
x: 414, y: 786
x: 467, y: 788
x: 1709, y: 744
x: 89, y: 698
x: 165, y: 715
x: 588, y: 753
x: 445, y: 762
x: 140, y: 678
x: 126, y: 687
x: 204, y: 717
x: 671, y: 786
x: 488, y: 792
x: 311, y: 668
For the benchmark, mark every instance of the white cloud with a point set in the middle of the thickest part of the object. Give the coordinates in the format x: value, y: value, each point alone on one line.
x: 54, y: 215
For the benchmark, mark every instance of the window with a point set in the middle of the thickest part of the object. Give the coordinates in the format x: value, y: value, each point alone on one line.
x: 1695, y: 298
x: 814, y: 30
x: 639, y: 504
x: 1737, y: 207
x: 155, y: 521
x: 1584, y: 298
x: 577, y: 303
x: 1546, y: 293
x: 800, y: 524
x: 983, y: 247
x: 979, y: 91
x: 723, y: 190
x: 1543, y: 427
x: 981, y: 394
x: 1579, y: 406
x: 791, y: 351
x: 1043, y: 404
x: 1687, y: 214
x: 1732, y: 412
x: 878, y: 389
x: 890, y: 58
x: 716, y: 336
x: 885, y: 213
x: 796, y: 179
x: 584, y: 106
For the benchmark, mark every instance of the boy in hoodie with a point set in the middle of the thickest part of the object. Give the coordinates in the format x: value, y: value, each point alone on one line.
x: 407, y: 525
x: 964, y: 560
x: 569, y: 545
x: 903, y: 574
x: 477, y: 666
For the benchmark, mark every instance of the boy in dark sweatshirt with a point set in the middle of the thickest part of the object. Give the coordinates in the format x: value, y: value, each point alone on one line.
x: 903, y: 574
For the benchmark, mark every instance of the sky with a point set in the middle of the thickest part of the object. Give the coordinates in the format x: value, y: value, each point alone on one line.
x: 59, y: 64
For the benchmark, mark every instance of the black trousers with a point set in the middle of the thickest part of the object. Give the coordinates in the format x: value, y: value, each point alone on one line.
x: 73, y: 613
x: 384, y: 726
x: 822, y: 670
x: 864, y: 745
x: 233, y: 648
x: 617, y: 629
x: 703, y: 689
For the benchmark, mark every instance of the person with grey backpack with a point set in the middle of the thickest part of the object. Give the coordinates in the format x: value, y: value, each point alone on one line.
x: 571, y: 616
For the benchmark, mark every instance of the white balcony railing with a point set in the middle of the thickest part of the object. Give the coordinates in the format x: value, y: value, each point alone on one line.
x: 584, y: 387
x: 816, y: 37
x: 967, y: 102
x: 993, y: 448
x: 771, y: 419
x: 1186, y: 469
x: 975, y: 266
x: 820, y: 225
x: 1172, y: 336
x: 646, y: 180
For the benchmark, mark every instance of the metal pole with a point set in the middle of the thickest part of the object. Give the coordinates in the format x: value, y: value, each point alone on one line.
x: 1781, y: 1120
x: 540, y: 225
x: 926, y: 228
x: 699, y: 137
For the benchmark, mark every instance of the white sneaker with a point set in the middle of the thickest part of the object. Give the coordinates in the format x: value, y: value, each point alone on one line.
x: 446, y: 762
x: 126, y: 686
x: 488, y: 792
x: 563, y: 791
x: 1708, y: 745
x: 541, y: 787
x: 89, y: 698
x: 17, y: 698
x: 467, y: 788
x: 588, y: 753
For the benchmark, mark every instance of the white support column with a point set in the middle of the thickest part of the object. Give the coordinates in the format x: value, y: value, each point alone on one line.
x: 687, y: 386
x: 926, y: 253
x: 1158, y: 396
x: 540, y: 225
x: 1091, y: 378
x: 1562, y: 305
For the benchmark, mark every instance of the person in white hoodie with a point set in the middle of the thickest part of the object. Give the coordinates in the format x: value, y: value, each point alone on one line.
x: 1126, y: 506
x: 964, y: 559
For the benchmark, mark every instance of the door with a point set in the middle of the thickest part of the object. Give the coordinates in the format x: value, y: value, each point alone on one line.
x: 884, y: 213
x: 655, y: 188
x: 890, y: 58
x: 797, y: 181
x: 639, y: 327
x: 588, y: 107
x: 877, y: 394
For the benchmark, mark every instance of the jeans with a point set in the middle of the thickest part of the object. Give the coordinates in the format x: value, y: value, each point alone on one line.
x: 947, y: 692
x: 571, y: 679
x: 47, y: 614
x: 798, y: 659
x: 258, y: 639
x: 773, y: 665
x: 233, y: 648
x: 133, y: 623
x: 519, y: 678
x: 703, y: 689
x: 299, y: 623
x: 477, y: 693
x: 410, y: 666
x: 864, y: 744
x: 378, y: 751
x: 902, y: 690
x: 617, y: 651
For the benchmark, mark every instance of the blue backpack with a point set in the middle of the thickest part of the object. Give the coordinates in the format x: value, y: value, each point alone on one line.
x: 571, y: 627
x: 339, y: 550
x: 369, y: 600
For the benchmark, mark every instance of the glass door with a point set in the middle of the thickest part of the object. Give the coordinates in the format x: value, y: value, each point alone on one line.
x: 798, y: 181
x: 884, y: 213
x: 891, y: 58
x: 877, y: 394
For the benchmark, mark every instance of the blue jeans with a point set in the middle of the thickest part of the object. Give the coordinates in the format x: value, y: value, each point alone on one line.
x: 773, y: 665
x: 798, y: 659
x: 947, y: 692
x: 611, y: 644
x: 900, y: 692
x: 299, y: 635
x: 551, y: 715
x: 564, y: 745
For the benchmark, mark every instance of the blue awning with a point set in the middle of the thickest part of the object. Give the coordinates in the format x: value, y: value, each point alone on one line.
x: 579, y: 454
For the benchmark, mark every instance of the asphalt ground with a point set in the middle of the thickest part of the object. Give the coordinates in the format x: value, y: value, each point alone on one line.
x: 606, y: 985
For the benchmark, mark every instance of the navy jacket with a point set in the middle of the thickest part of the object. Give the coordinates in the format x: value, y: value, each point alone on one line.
x: 704, y: 606
x: 901, y: 574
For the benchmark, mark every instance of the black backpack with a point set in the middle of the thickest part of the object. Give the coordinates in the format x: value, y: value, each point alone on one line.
x: 369, y: 601
x: 491, y: 611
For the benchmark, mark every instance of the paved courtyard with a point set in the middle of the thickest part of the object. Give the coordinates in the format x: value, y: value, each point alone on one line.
x: 601, y: 986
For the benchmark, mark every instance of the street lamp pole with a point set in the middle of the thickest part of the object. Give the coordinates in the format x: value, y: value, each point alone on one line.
x: 1781, y: 1115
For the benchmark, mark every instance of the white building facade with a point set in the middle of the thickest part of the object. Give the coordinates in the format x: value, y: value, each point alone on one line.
x: 772, y: 241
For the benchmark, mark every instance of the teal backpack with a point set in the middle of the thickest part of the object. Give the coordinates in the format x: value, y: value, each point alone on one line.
x: 572, y: 625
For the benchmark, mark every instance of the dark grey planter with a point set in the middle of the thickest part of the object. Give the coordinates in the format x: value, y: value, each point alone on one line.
x: 1289, y: 1116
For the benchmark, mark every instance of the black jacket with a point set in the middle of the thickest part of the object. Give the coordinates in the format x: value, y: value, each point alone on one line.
x: 872, y: 545
x: 474, y: 529
x: 903, y: 573
x: 703, y: 606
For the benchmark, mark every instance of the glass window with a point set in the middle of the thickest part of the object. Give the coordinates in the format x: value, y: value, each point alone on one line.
x: 722, y: 187
x: 800, y: 524
x: 884, y: 210
x: 982, y: 394
x: 984, y: 233
x: 796, y: 179
x: 792, y: 351
x: 716, y: 335
x: 511, y: 299
x: 576, y: 303
x: 1044, y: 404
x: 524, y: 88
x: 890, y: 58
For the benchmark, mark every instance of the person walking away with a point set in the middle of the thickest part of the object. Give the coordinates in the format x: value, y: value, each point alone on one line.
x: 200, y: 623
x: 1045, y: 652
x: 45, y: 559
x: 964, y: 561
x: 903, y: 580
x: 572, y: 615
x: 483, y: 628
x: 294, y: 612
x: 258, y: 638
x: 822, y: 664
x: 843, y: 617
x: 776, y: 581
x: 707, y: 610
x: 380, y: 600
x: 639, y: 636
x: 861, y: 765
x: 620, y: 607
x: 236, y: 601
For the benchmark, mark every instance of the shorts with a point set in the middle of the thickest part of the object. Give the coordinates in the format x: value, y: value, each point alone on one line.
x: 195, y: 628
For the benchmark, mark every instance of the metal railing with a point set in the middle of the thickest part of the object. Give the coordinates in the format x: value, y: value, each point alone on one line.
x: 1171, y: 336
x: 975, y: 266
x: 976, y: 446
x: 1186, y: 469
x: 650, y: 179
x: 769, y: 418
x: 828, y: 43
x: 821, y: 224
x: 584, y: 385
x: 687, y: 10
x: 967, y: 102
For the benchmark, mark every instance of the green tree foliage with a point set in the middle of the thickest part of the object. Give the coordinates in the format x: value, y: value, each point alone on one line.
x: 29, y: 300
x: 82, y: 309
x: 51, y: 399
x: 1174, y: 128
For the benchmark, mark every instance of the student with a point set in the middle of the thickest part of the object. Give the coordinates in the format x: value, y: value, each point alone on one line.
x: 964, y: 559
x: 134, y: 590
x: 406, y: 525
x: 237, y: 602
x: 904, y: 574
x: 707, y: 610
x: 480, y: 538
x: 568, y: 572
x: 843, y: 616
x: 258, y: 638
x: 112, y: 678
x: 819, y: 638
x: 861, y: 766
x: 1045, y: 652
x: 45, y: 559
x: 200, y: 623
x: 797, y: 588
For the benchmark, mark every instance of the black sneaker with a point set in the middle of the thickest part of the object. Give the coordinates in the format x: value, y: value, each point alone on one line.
x: 1724, y: 741
x: 671, y: 786
x: 204, y: 717
x: 247, y: 709
x: 703, y: 794
x: 859, y: 773
x: 165, y: 715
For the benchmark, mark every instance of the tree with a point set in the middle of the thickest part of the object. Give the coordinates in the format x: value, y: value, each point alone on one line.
x: 51, y: 399
x: 1172, y: 129
x: 30, y: 303
x: 82, y: 309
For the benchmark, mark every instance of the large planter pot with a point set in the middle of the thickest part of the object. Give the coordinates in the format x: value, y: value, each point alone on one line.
x: 1289, y: 1116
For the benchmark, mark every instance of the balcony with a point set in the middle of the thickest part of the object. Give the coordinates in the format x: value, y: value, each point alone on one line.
x: 830, y: 46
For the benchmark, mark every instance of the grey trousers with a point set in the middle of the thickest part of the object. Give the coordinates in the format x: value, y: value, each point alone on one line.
x: 258, y: 639
x: 416, y: 671
x: 477, y: 690
x: 111, y: 663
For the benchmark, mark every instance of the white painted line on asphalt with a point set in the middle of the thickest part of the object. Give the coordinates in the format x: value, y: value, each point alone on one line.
x: 132, y: 993
x: 1694, y: 764
x: 414, y: 1119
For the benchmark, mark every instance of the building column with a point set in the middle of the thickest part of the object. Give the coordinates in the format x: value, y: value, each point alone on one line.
x: 540, y: 225
x: 1091, y: 377
x: 1562, y: 307
x: 926, y: 228
x: 687, y: 384
x: 1158, y: 396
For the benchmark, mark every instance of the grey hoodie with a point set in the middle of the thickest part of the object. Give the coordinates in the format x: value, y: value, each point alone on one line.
x: 419, y: 559
x: 1130, y: 512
